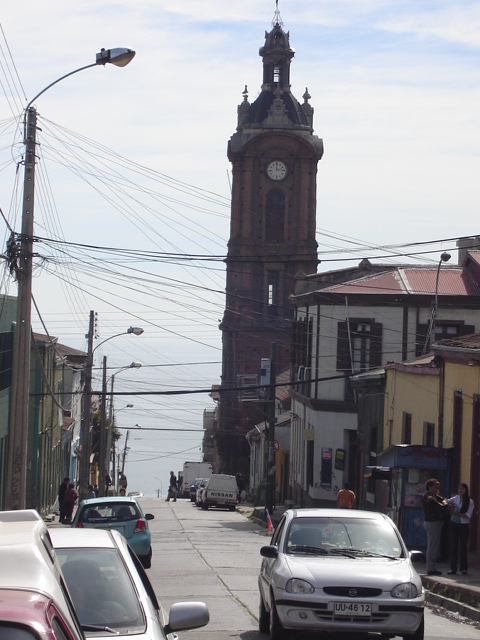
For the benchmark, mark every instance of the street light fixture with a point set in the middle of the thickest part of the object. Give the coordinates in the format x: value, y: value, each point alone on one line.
x: 106, y: 438
x: 84, y: 478
x: 15, y: 494
x: 430, y: 337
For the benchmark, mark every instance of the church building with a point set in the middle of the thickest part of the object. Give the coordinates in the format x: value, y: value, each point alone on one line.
x: 274, y: 155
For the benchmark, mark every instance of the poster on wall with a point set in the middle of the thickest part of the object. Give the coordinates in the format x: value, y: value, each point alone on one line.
x: 340, y: 455
x: 326, y: 472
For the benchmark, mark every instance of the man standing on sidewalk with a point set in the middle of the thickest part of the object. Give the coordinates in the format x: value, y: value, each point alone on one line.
x: 435, y: 511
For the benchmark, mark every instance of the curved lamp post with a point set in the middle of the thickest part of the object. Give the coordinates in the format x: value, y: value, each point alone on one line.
x: 18, y: 424
x: 445, y: 257
x: 84, y: 478
x: 105, y: 452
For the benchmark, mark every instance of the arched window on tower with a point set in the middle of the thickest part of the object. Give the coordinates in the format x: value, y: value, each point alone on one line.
x: 275, y: 216
x: 276, y: 73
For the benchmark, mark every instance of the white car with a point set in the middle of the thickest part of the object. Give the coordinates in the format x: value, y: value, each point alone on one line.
x: 111, y: 592
x: 340, y: 570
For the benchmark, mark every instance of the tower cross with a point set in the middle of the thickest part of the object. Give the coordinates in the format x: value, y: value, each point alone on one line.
x: 277, y: 20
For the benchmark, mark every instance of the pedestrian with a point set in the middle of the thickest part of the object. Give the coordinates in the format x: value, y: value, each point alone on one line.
x: 122, y: 492
x: 172, y: 487
x: 241, y: 487
x: 345, y: 497
x: 122, y: 481
x: 108, y: 483
x: 90, y: 492
x: 69, y: 500
x: 61, y: 495
x: 435, y: 512
x: 461, y: 509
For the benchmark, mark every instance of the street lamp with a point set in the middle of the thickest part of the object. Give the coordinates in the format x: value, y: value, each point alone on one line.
x: 106, y: 429
x: 86, y: 412
x: 445, y: 257
x: 15, y: 494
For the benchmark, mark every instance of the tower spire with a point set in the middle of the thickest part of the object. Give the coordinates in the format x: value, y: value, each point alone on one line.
x: 277, y: 20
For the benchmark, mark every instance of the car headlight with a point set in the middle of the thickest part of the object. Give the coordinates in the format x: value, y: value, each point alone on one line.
x: 404, y: 590
x: 295, y: 585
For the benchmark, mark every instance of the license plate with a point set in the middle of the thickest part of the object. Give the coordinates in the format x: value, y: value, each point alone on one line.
x: 355, y: 609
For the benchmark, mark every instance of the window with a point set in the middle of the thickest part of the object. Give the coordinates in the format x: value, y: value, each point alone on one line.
x: 443, y: 329
x: 407, y: 428
x: 273, y: 292
x: 429, y: 434
x: 276, y: 73
x: 359, y: 345
x: 274, y: 216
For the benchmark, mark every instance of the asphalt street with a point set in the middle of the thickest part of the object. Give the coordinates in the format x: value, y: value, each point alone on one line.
x: 213, y: 556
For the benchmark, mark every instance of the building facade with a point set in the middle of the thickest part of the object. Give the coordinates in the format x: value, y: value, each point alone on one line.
x: 351, y: 322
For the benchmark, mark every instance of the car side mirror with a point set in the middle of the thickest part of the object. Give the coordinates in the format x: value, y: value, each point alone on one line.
x: 187, y: 615
x: 149, y: 516
x: 416, y: 556
x: 269, y: 551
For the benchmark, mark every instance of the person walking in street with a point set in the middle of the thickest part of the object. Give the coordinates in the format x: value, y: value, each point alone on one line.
x: 435, y: 511
x: 172, y: 487
x: 69, y: 500
x: 461, y: 509
x: 61, y: 497
x: 345, y: 497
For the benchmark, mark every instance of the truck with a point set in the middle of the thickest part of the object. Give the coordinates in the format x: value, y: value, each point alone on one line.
x: 220, y: 491
x: 192, y: 470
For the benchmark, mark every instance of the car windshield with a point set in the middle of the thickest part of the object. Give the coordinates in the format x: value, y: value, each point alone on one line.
x: 110, y: 512
x: 351, y: 537
x: 101, y: 588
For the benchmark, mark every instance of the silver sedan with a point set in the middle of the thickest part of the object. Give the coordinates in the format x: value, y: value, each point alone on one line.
x: 339, y: 570
x: 111, y: 592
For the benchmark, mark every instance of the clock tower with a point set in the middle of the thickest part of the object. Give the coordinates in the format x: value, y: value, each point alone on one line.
x: 274, y: 156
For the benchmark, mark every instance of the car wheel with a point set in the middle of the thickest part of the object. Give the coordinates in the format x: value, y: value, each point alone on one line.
x: 231, y: 508
x: 419, y: 633
x: 147, y: 560
x: 204, y: 506
x: 277, y: 631
x: 263, y: 617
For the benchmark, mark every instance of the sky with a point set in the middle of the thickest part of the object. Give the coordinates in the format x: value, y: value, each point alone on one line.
x: 132, y: 193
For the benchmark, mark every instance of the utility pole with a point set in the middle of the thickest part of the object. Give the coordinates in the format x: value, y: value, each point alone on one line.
x: 15, y: 494
x: 103, y: 433
x: 124, y: 453
x: 84, y: 475
x: 270, y: 489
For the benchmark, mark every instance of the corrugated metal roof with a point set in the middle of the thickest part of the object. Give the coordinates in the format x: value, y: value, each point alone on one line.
x: 452, y: 281
x: 471, y: 341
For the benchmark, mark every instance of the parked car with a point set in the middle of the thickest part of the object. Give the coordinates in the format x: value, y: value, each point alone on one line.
x: 135, y: 494
x: 111, y: 592
x: 34, y: 601
x: 329, y: 570
x: 220, y: 491
x: 200, y: 490
x: 121, y: 513
x: 193, y: 489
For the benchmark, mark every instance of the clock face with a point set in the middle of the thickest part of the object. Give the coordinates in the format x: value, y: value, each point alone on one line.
x: 277, y: 170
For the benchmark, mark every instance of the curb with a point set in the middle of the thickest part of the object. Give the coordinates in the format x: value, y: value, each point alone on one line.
x: 452, y: 606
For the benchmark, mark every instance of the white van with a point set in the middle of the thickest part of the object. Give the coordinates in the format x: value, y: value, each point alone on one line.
x: 220, y: 491
x: 34, y: 600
